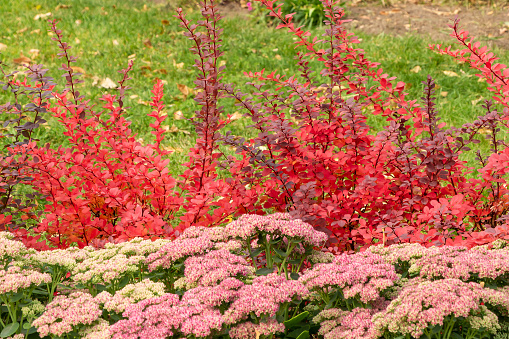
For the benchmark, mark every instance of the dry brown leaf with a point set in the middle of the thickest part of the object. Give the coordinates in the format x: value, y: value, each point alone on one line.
x: 178, y: 115
x: 278, y: 57
x: 444, y: 94
x: 451, y: 73
x: 502, y: 30
x: 318, y: 89
x: 115, y: 42
x: 243, y: 3
x: 442, y: 13
x: 2, y: 47
x: 78, y: 22
x: 222, y: 63
x: 132, y: 57
x: 165, y: 22
x: 108, y: 83
x: 146, y: 67
x: 484, y: 131
x: 236, y: 116
x: 35, y: 31
x: 95, y: 80
x: 175, y: 129
x: 179, y: 65
x: 42, y: 16
x: 162, y: 71
x: 133, y: 96
x: 169, y: 148
x: 474, y: 102
x: 416, y: 69
x: 60, y: 6
x: 22, y: 60
x: 23, y: 30
x: 34, y: 53
x: 465, y: 74
x: 85, y: 9
x: 186, y: 91
x: 77, y: 69
x: 481, y: 80
x: 76, y: 40
x: 142, y: 102
x: 147, y: 43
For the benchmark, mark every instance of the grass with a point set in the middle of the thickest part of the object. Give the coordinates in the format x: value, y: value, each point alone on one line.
x: 106, y: 33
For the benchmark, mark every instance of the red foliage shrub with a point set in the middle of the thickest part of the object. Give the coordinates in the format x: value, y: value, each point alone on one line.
x: 313, y: 157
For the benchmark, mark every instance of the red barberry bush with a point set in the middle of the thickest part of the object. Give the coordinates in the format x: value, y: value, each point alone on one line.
x: 314, y: 156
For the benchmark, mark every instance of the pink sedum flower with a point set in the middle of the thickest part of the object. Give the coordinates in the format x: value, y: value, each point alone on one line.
x: 248, y: 330
x: 131, y: 294
x: 263, y: 297
x: 64, y: 312
x: 338, y: 324
x: 215, y: 266
x: 15, y: 278
x: 362, y: 274
x: 428, y: 303
x: 280, y: 224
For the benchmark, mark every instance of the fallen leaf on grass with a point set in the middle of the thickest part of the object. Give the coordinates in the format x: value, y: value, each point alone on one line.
x: 34, y: 53
x: 474, y: 102
x: 22, y: 30
x: 465, y: 74
x: 143, y: 102
x: 502, y: 30
x: 186, y: 91
x: 42, y: 16
x: 236, y: 116
x: 175, y: 129
x: 278, y: 57
x: 2, y: 47
x: 77, y: 69
x: 108, y: 83
x: 78, y: 22
x: 481, y: 80
x: 60, y: 6
x: 178, y: 115
x: 179, y: 65
x: 35, y: 31
x: 444, y: 94
x: 115, y: 42
x: 451, y: 74
x: 165, y: 22
x: 169, y: 148
x: 133, y: 96
x: 416, y: 69
x: 22, y: 60
x: 147, y: 43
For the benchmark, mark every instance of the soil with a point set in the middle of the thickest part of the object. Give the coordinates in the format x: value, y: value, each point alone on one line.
x: 489, y: 25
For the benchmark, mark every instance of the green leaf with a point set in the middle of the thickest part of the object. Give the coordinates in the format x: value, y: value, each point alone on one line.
x: 290, y: 323
x: 294, y: 276
x: 280, y: 253
x: 277, y: 260
x: 436, y: 329
x: 9, y: 330
x: 455, y: 335
x: 264, y: 271
x: 26, y: 326
x: 304, y: 335
x: 123, y: 282
x: 256, y: 252
x: 16, y: 297
x: 297, y: 332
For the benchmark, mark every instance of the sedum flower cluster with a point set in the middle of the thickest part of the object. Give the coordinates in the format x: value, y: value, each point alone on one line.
x: 218, y: 290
